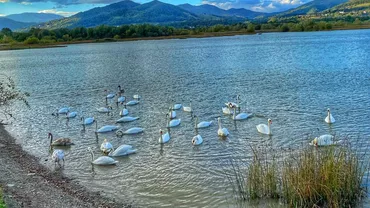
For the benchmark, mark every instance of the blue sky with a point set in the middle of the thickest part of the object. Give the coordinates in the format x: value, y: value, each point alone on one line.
x: 70, y: 7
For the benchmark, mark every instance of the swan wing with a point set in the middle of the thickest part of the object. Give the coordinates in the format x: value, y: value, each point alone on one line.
x: 227, y: 111
x: 187, y: 109
x: 134, y: 130
x: 325, y: 140
x: 104, y: 160
x: 127, y: 119
x: 132, y: 102
x: 58, y: 155
x: 262, y: 128
x: 89, y: 121
x: 123, y: 112
x: 175, y: 122
x: 177, y: 106
x: 241, y: 116
x: 107, y: 128
x: 204, y: 124
x: 123, y: 150
x: 63, y: 110
x: 165, y: 138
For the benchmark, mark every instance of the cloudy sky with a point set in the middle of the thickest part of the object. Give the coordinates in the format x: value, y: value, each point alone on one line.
x: 70, y: 7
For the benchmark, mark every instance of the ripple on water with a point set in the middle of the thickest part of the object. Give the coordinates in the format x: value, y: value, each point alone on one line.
x: 291, y: 78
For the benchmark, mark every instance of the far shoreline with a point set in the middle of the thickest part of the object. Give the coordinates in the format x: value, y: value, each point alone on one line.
x: 21, y: 46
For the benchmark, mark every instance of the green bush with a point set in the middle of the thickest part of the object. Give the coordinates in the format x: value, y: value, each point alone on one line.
x: 2, y: 203
x: 31, y: 40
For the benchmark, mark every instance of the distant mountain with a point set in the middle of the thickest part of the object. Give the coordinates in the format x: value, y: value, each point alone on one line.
x: 313, y: 6
x: 125, y: 12
x: 204, y: 9
x: 11, y: 24
x: 34, y: 17
x: 207, y: 9
x: 352, y: 6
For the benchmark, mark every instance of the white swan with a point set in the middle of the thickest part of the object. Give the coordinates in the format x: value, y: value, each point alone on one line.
x: 232, y: 105
x: 126, y: 119
x: 202, y: 124
x: 227, y: 111
x: 60, y: 141
x: 104, y: 109
x: 173, y: 123
x: 164, y: 137
x: 71, y: 114
x: 110, y: 95
x: 87, y: 121
x: 104, y: 129
x: 263, y: 128
x: 57, y: 156
x: 240, y: 116
x: 197, y: 140
x: 177, y: 106
x: 324, y: 140
x: 172, y: 113
x: 102, y: 160
x: 106, y: 147
x: 134, y: 130
x: 124, y: 111
x: 121, y: 99
x: 329, y: 119
x: 122, y: 150
x: 188, y: 108
x: 64, y: 110
x: 223, y: 132
x: 133, y: 102
x: 137, y: 97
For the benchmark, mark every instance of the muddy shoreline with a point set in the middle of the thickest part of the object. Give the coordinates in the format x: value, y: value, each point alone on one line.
x: 27, y: 183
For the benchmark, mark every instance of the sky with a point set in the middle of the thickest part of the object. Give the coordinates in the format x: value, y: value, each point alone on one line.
x: 69, y: 7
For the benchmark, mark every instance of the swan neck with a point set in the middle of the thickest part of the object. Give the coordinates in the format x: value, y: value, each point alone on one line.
x: 234, y: 113
x: 329, y: 116
x: 196, y: 122
x: 51, y: 138
x: 219, y: 123
x: 92, y: 155
x: 96, y: 125
x: 269, y: 129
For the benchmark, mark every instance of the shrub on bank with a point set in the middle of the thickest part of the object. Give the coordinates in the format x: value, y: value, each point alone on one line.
x: 310, y: 177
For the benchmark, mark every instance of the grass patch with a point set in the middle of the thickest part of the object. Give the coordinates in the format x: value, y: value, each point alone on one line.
x: 2, y: 203
x: 309, y: 177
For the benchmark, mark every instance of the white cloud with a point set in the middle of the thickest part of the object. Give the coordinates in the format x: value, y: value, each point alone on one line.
x: 291, y: 2
x: 2, y: 15
x: 54, y: 11
x: 3, y: 1
x: 257, y: 5
x: 26, y: 3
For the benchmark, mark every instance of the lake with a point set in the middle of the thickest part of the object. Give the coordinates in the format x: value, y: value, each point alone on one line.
x: 291, y: 78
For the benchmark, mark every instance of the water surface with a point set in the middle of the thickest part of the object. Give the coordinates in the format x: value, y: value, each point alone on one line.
x: 291, y: 78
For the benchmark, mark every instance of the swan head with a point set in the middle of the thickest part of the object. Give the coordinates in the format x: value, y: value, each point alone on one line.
x: 269, y: 121
x: 105, y: 140
x: 161, y: 131
x: 328, y: 110
x: 49, y: 135
x: 194, y: 140
x: 314, y: 142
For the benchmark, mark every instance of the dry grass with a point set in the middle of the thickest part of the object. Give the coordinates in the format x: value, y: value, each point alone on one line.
x: 309, y: 177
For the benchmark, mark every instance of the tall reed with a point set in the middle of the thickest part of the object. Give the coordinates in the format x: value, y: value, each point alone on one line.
x: 309, y: 177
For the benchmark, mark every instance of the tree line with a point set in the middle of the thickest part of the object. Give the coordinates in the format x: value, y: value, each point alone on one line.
x: 104, y: 32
